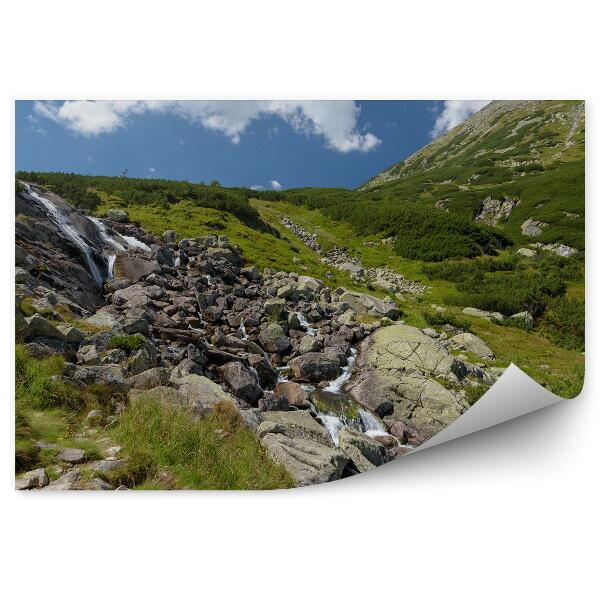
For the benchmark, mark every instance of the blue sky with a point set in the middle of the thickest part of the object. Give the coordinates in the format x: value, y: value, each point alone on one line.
x: 339, y: 143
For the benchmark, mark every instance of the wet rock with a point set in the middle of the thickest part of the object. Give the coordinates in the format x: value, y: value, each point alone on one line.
x: 307, y: 462
x: 267, y: 375
x: 364, y: 452
x: 295, y: 424
x: 315, y: 367
x: 134, y: 267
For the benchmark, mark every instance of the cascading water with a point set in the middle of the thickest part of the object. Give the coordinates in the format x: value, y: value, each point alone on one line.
x: 102, y: 231
x: 312, y: 331
x: 69, y: 231
x: 336, y: 385
x: 135, y: 243
x: 242, y: 330
x: 372, y: 426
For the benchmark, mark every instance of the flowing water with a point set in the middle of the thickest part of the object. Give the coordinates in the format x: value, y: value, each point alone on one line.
x: 135, y: 243
x: 312, y: 331
x: 70, y: 232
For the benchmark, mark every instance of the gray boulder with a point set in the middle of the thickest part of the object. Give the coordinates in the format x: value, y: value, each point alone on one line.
x: 365, y: 452
x: 307, y: 462
x: 120, y: 216
x: 471, y: 343
x: 72, y: 455
x: 32, y: 480
x: 274, y: 339
x: 37, y: 326
x: 367, y: 304
x: 315, y: 367
x: 241, y: 381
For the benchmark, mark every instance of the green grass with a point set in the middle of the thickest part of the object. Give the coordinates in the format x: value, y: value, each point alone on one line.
x: 127, y: 343
x: 214, y: 452
x: 154, y: 438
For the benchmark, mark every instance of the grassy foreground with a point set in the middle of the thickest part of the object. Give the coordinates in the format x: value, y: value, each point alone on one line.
x: 165, y: 448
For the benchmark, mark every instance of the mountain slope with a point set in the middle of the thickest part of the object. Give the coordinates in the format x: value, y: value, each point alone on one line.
x: 510, y: 162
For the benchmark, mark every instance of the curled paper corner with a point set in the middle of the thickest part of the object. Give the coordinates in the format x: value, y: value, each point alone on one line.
x: 513, y: 395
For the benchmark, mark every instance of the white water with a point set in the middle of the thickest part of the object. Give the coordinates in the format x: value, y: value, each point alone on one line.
x: 333, y: 424
x: 101, y: 227
x: 242, y: 330
x: 135, y: 243
x: 283, y: 374
x: 312, y: 331
x: 372, y: 426
x: 111, y: 265
x: 337, y: 384
x: 70, y: 232
x: 177, y: 261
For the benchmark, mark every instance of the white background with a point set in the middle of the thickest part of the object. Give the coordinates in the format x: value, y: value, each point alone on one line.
x: 508, y: 513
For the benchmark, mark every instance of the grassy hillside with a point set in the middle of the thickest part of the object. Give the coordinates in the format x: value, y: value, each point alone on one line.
x: 530, y: 151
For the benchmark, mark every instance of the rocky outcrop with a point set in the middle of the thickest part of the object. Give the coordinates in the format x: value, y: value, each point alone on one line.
x: 532, y: 228
x: 495, y: 210
x: 399, y: 370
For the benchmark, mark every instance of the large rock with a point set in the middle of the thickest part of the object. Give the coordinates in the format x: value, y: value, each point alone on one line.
x: 201, y: 393
x: 150, y: 378
x: 120, y: 216
x: 471, y: 343
x: 110, y: 376
x: 134, y: 267
x: 267, y: 375
x: 293, y: 394
x: 241, y: 381
x: 365, y: 452
x: 37, y: 326
x: 307, y: 462
x: 32, y: 480
x: 274, y: 339
x: 532, y: 228
x: 294, y: 424
x: 226, y: 254
x: 167, y: 396
x: 482, y: 314
x: 367, y: 304
x: 315, y: 367
x: 397, y: 367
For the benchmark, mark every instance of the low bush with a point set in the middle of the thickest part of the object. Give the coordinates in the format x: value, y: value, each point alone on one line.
x: 440, y: 319
x: 564, y: 323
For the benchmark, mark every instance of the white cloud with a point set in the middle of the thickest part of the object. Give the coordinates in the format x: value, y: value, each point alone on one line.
x: 258, y: 188
x: 275, y: 185
x: 152, y: 170
x: 335, y: 120
x: 454, y: 113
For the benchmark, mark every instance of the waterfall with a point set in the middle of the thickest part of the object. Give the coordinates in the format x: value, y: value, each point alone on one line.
x: 337, y: 384
x: 371, y: 424
x: 101, y: 227
x: 242, y: 330
x: 135, y: 243
x: 69, y: 231
x: 334, y: 425
x: 111, y: 265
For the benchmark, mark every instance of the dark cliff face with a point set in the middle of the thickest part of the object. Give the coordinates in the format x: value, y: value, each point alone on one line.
x: 56, y: 261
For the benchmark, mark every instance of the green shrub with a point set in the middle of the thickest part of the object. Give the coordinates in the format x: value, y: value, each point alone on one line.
x: 440, y: 319
x: 473, y: 393
x: 127, y: 343
x: 564, y: 323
